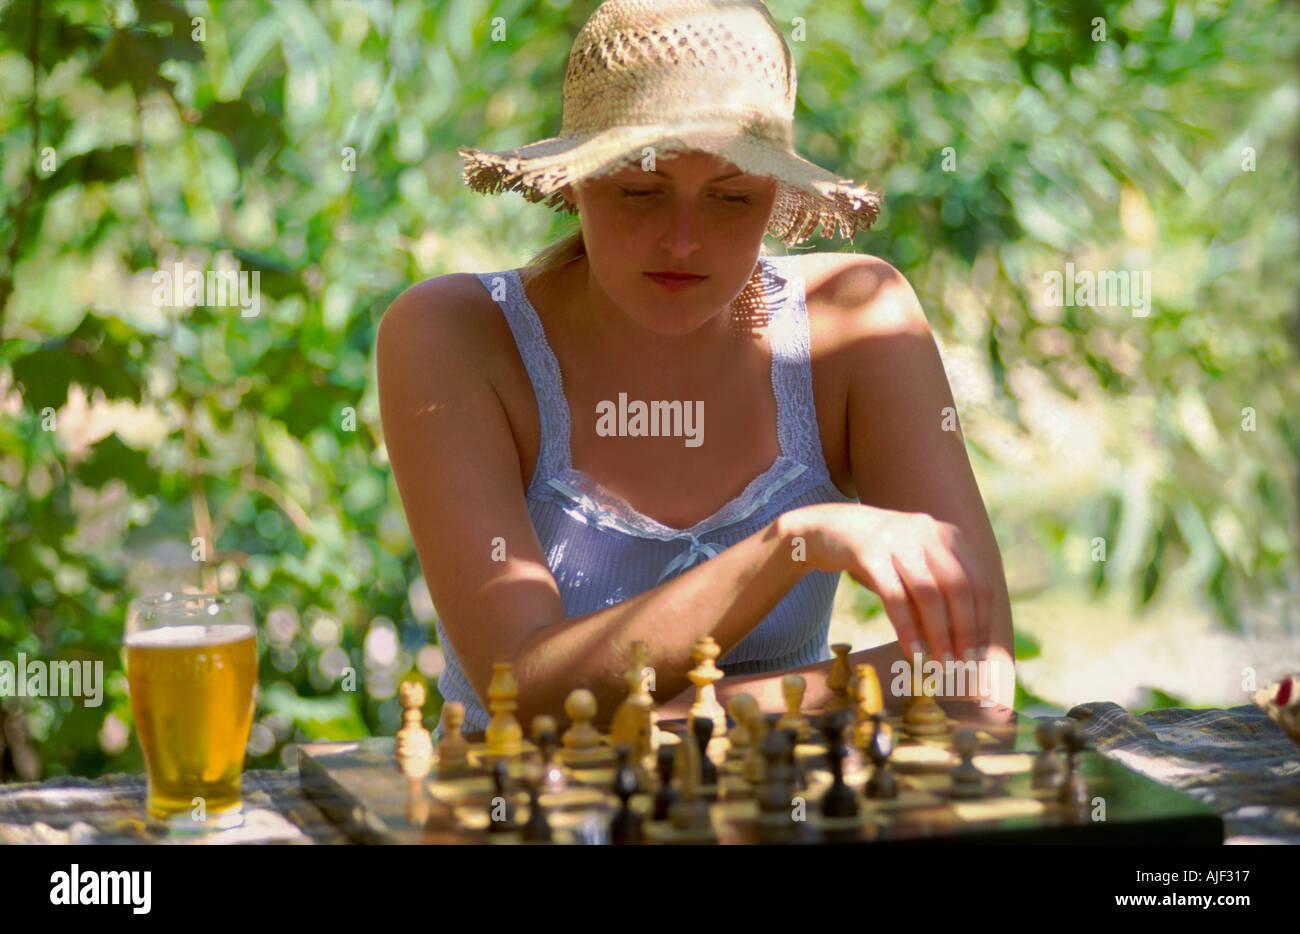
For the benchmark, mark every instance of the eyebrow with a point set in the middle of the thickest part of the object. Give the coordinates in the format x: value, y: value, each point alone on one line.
x: 718, y: 179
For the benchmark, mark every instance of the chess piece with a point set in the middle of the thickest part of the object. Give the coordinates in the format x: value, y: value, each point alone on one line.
x: 1048, y: 768
x: 923, y: 715
x: 776, y: 822
x: 868, y: 700
x: 691, y: 811
x: 882, y: 783
x: 704, y: 653
x: 667, y: 794
x: 632, y: 719
x: 554, y: 777
x: 777, y: 780
x: 505, y: 737
x: 581, y: 740
x: 702, y: 731
x: 453, y: 750
x: 838, y: 680
x: 417, y: 802
x: 1074, y: 790
x: 537, y: 829
x: 839, y: 800
x: 625, y: 826
x: 741, y: 708
x: 414, y: 745
x: 793, y: 687
x: 501, y: 810
x: 797, y: 776
x: 967, y: 779
x: 754, y: 762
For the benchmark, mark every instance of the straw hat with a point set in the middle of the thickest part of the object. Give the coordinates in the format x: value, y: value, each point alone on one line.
x: 677, y: 75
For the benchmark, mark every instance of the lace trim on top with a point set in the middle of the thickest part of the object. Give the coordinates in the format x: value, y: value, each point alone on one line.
x: 586, y: 499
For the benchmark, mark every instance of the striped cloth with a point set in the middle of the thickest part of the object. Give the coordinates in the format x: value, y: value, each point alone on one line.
x: 111, y: 810
x: 1238, y: 761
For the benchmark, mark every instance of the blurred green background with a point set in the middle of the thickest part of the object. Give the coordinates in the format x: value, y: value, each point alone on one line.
x: 315, y: 142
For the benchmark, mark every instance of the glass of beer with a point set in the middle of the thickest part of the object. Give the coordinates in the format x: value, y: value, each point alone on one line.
x: 191, y: 663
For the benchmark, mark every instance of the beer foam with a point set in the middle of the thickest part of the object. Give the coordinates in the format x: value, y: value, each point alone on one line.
x: 191, y: 636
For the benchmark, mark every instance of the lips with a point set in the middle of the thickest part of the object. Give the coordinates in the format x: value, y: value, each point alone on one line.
x: 675, y: 282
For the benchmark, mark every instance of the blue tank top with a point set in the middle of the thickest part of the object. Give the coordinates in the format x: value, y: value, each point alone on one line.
x: 601, y: 551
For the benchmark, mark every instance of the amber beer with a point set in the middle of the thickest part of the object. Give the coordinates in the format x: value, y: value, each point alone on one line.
x: 192, y: 693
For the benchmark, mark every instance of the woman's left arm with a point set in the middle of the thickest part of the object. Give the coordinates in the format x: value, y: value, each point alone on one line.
x: 907, y: 454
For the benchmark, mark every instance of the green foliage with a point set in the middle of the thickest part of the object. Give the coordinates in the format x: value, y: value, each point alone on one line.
x: 261, y: 434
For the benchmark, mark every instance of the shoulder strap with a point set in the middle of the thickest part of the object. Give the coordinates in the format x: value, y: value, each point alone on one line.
x: 792, y: 364
x: 507, y: 290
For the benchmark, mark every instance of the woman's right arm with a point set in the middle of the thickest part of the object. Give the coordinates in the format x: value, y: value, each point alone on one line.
x: 457, y: 468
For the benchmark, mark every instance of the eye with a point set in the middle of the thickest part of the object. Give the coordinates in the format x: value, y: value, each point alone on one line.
x: 735, y: 199
x: 637, y: 192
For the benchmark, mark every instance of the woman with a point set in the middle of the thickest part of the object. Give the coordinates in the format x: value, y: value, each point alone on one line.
x: 655, y: 432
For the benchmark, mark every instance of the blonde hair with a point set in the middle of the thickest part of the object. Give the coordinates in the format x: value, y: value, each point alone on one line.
x: 558, y: 255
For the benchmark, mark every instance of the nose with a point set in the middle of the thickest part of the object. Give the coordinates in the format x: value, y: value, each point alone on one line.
x: 683, y: 238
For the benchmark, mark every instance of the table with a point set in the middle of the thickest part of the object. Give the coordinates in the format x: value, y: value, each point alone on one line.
x: 1236, y: 760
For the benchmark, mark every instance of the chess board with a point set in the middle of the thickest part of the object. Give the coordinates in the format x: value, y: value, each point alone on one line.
x: 360, y: 787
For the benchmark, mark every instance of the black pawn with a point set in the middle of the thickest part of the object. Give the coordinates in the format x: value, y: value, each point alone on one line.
x: 702, y: 728
x: 839, y: 800
x: 501, y: 817
x: 1048, y: 769
x: 798, y: 779
x: 774, y: 800
x: 882, y: 783
x: 1074, y: 790
x: 538, y: 829
x: 667, y: 795
x: 625, y: 827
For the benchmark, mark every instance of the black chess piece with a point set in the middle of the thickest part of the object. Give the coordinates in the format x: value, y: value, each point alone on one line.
x: 798, y: 779
x: 1074, y: 791
x: 625, y: 827
x: 882, y: 783
x: 1048, y: 769
x: 702, y: 729
x: 667, y: 794
x: 967, y: 781
x: 839, y: 800
x: 779, y: 818
x: 538, y: 828
x: 501, y: 810
x: 553, y: 778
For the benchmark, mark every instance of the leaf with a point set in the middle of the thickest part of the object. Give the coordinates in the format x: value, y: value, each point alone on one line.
x: 88, y: 357
x: 334, y: 717
x: 98, y: 165
x: 111, y: 459
x: 1026, y: 646
x: 249, y: 131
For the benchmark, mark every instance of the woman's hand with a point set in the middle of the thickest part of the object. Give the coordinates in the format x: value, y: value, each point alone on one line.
x: 930, y: 585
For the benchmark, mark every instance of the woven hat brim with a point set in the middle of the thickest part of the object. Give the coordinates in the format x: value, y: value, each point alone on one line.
x: 809, y: 198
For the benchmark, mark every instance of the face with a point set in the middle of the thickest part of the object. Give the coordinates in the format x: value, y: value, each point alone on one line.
x: 694, y: 213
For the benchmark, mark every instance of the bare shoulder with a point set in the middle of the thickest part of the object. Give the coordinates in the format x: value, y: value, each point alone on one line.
x: 444, y: 306
x: 447, y: 320
x: 858, y: 295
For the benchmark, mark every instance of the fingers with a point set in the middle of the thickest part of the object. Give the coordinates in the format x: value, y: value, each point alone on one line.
x: 929, y: 597
x: 958, y: 590
x: 884, y: 580
x: 981, y: 594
